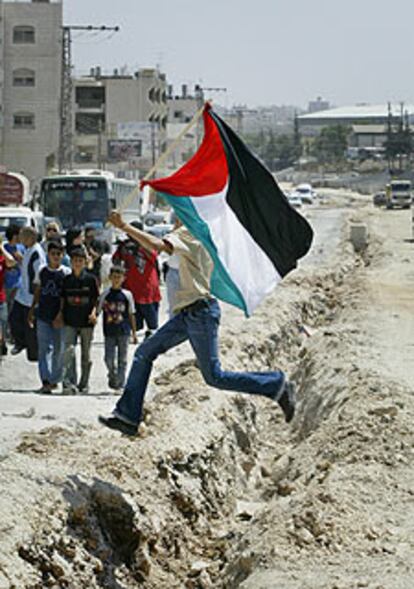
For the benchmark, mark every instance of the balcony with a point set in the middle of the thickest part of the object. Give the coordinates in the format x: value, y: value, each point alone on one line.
x: 90, y: 98
x: 90, y: 105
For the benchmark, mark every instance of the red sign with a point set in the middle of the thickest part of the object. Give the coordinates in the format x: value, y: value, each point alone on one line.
x: 11, y: 190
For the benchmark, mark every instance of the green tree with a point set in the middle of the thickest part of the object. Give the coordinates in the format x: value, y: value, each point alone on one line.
x: 399, y: 142
x: 277, y: 151
x: 297, y: 137
x: 330, y: 146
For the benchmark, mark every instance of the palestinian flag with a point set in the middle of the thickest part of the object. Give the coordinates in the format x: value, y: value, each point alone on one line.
x: 231, y: 203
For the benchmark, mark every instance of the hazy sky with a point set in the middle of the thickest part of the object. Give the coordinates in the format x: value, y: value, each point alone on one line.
x: 262, y: 51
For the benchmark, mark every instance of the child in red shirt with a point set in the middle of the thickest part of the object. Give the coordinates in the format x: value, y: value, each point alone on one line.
x: 142, y: 279
x: 6, y: 261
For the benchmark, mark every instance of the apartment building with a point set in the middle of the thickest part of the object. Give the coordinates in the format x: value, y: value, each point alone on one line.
x: 120, y: 120
x: 30, y: 66
x: 181, y: 109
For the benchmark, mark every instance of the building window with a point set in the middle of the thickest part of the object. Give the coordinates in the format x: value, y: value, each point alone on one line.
x: 151, y: 94
x: 90, y: 96
x: 24, y: 120
x: 23, y: 77
x: 24, y: 34
x: 89, y: 123
x: 84, y: 157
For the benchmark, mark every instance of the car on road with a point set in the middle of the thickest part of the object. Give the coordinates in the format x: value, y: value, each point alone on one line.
x: 294, y: 200
x: 20, y: 216
x: 155, y: 217
x: 159, y: 229
x: 398, y: 193
x: 305, y: 192
x: 379, y: 199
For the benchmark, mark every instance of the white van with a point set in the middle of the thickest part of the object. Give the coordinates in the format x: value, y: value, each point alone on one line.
x: 398, y: 194
x: 306, y: 193
x: 20, y: 216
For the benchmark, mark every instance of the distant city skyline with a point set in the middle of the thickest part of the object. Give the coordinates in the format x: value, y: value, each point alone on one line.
x: 264, y: 52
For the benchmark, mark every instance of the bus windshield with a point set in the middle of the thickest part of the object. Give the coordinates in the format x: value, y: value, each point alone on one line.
x: 76, y: 201
x: 401, y: 186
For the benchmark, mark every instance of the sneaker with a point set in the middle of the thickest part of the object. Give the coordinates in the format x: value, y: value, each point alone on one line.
x: 45, y: 389
x: 119, y: 425
x: 16, y: 350
x: 287, y: 401
x: 70, y: 389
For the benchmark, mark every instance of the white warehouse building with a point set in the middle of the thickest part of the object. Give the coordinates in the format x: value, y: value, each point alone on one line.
x: 368, y: 123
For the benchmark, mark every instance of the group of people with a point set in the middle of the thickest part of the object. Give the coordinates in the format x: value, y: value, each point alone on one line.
x: 52, y: 291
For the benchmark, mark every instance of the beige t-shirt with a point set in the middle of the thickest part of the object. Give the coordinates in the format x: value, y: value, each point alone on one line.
x: 195, y: 268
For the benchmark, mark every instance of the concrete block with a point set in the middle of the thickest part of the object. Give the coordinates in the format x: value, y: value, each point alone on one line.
x: 359, y: 236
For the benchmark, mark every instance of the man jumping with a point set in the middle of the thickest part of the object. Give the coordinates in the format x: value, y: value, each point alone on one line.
x: 196, y: 318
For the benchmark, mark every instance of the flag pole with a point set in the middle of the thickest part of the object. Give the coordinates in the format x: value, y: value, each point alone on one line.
x: 128, y: 200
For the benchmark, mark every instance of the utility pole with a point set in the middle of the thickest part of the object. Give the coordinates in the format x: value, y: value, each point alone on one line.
x: 100, y: 145
x: 66, y: 88
x: 390, y: 141
x: 199, y: 95
x: 400, y: 139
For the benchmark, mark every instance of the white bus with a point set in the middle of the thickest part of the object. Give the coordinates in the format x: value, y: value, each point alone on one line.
x: 85, y: 198
x: 15, y: 199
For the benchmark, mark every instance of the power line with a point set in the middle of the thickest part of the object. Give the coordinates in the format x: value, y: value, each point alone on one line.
x: 66, y: 89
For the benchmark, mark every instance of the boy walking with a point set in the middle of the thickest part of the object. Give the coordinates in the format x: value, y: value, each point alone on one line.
x: 24, y: 335
x: 117, y: 305
x: 80, y: 294
x: 13, y: 275
x: 46, y: 307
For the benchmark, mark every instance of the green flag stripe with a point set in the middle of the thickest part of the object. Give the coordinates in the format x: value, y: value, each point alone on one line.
x: 222, y: 286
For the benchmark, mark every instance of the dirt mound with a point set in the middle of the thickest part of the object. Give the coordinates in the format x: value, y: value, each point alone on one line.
x: 217, y: 491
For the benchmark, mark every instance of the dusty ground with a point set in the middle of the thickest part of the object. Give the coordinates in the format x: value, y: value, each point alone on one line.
x: 218, y: 491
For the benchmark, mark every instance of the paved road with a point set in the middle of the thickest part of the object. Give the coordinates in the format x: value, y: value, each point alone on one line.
x: 21, y: 409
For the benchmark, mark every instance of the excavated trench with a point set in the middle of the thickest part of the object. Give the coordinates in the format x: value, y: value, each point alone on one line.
x: 193, y: 508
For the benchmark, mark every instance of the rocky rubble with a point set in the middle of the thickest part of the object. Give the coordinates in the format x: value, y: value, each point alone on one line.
x: 217, y: 491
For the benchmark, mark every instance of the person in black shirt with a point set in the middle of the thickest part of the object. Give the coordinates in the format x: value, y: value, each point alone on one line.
x: 118, y: 309
x: 74, y: 239
x: 80, y: 294
x: 46, y: 306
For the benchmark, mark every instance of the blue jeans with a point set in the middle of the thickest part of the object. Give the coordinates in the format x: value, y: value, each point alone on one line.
x: 201, y: 328
x: 148, y: 313
x: 116, y: 369
x: 50, y: 350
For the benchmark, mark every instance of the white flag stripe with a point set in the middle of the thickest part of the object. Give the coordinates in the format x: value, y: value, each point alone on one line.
x: 246, y: 263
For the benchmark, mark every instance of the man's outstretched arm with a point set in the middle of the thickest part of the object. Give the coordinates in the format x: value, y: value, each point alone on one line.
x: 146, y: 240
